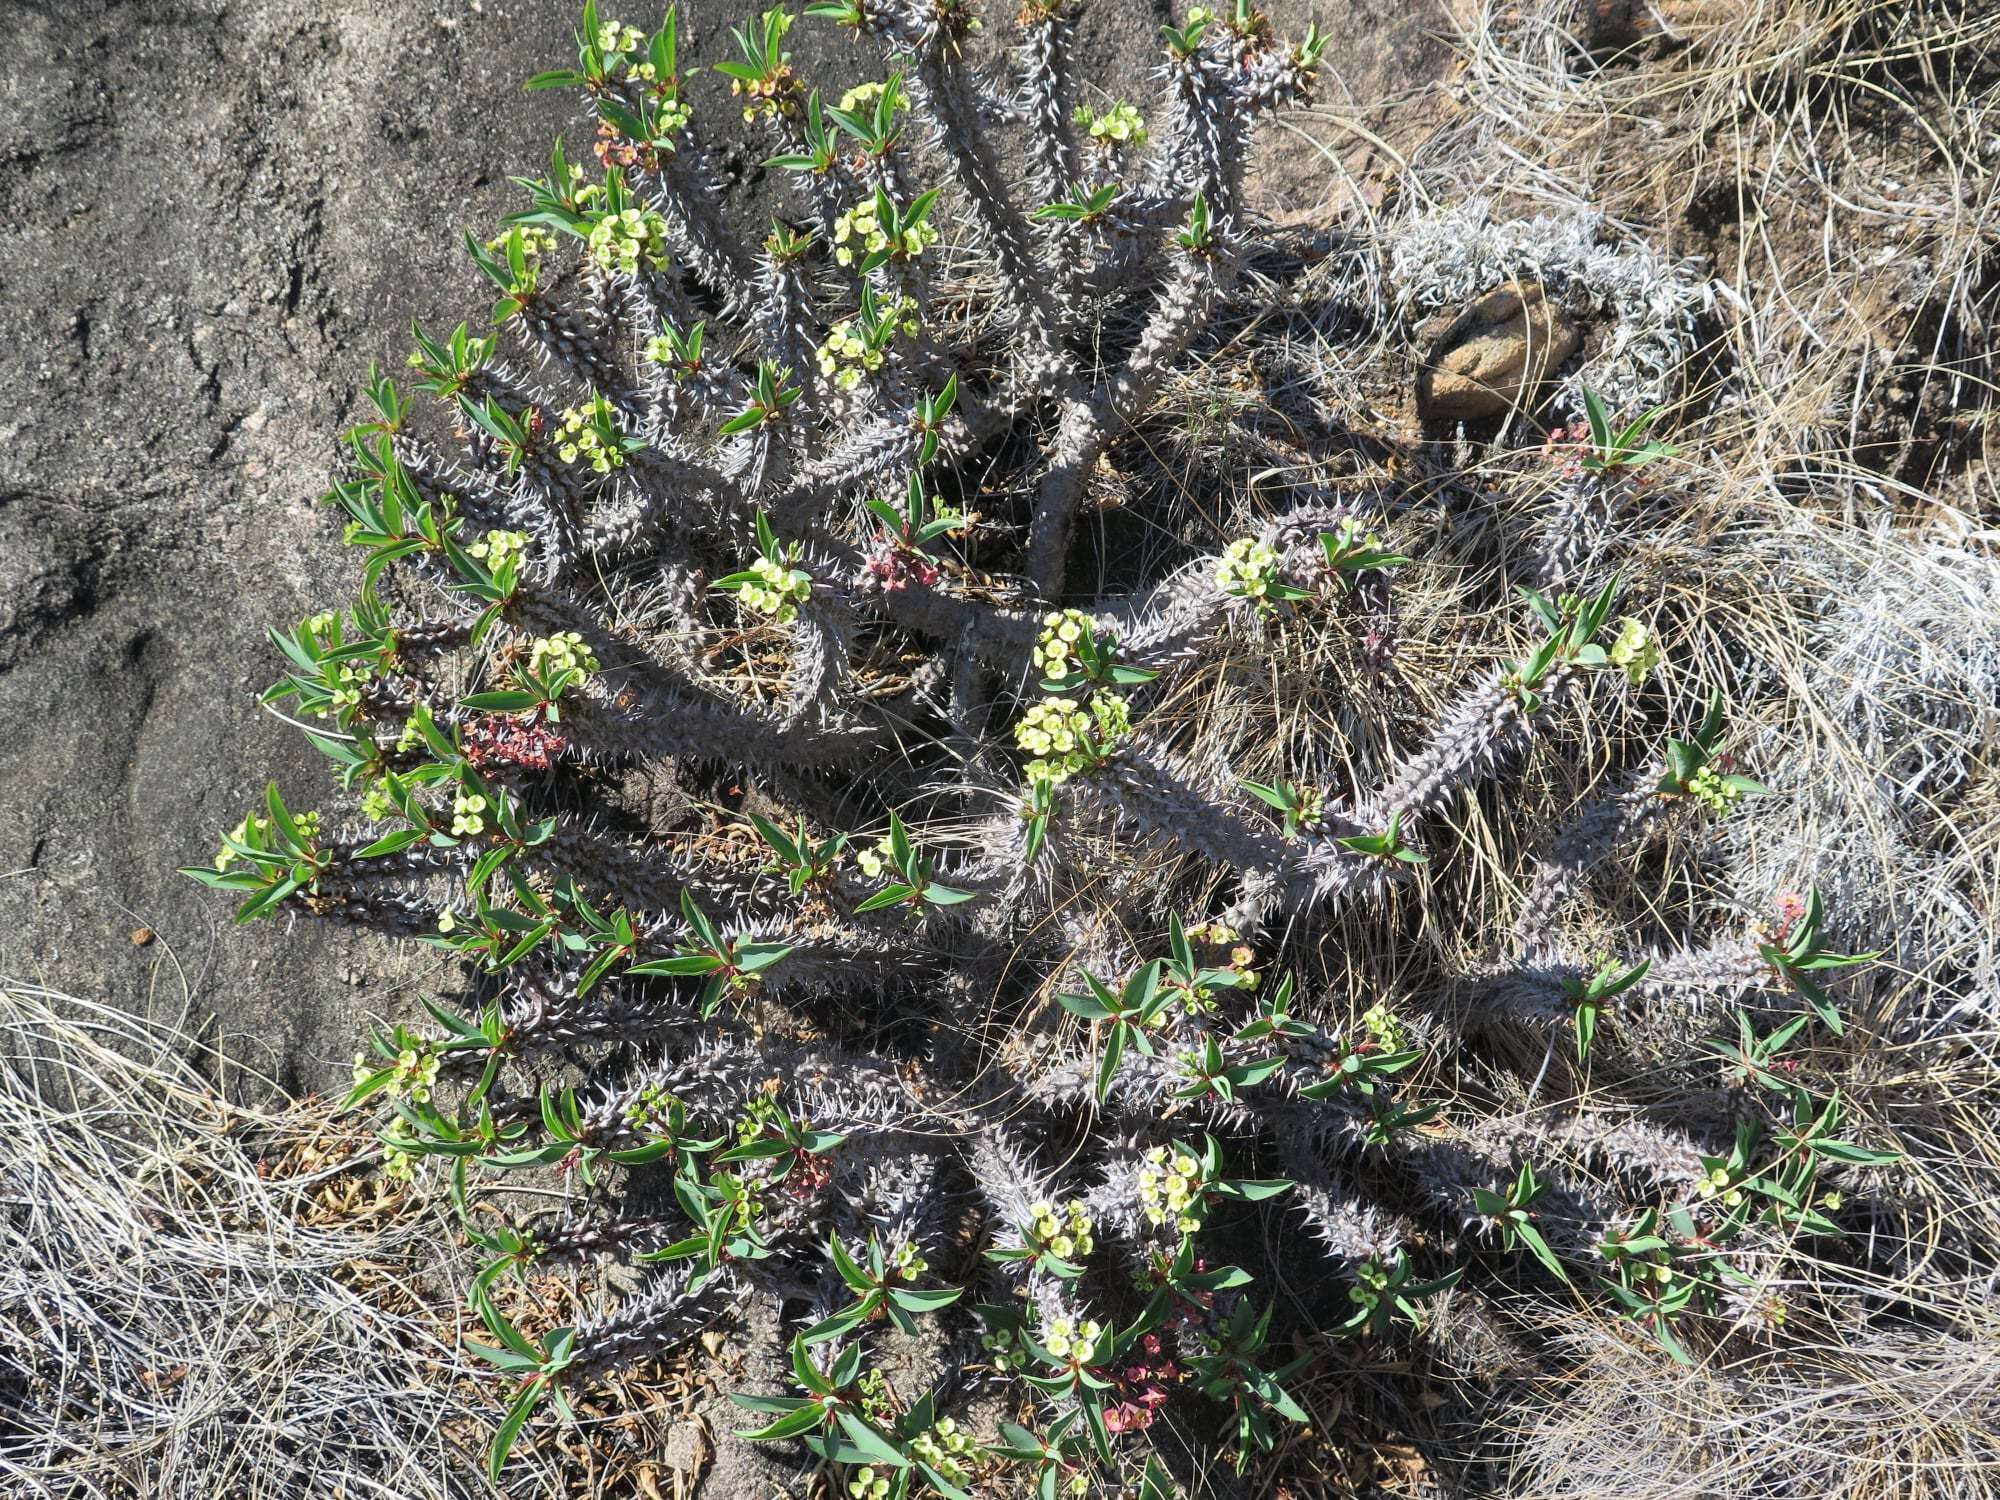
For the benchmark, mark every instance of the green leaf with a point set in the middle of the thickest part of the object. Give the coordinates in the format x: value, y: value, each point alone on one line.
x: 925, y: 1301
x: 267, y: 899
x: 849, y: 1268
x: 1107, y: 1069
x: 510, y: 1427
x: 1246, y: 1075
x: 754, y: 958
x: 504, y: 1359
x: 1859, y: 1156
x: 1599, y: 419
x: 1253, y: 1190
x: 840, y: 1322
x: 508, y: 701
x: 1532, y: 1238
x: 769, y: 1405
x: 1087, y: 1006
x: 390, y: 843
x: 681, y: 966
x: 809, y: 1416
x: 889, y: 895
x: 220, y: 880
x: 875, y: 1447
x: 1282, y: 796
x: 280, y: 818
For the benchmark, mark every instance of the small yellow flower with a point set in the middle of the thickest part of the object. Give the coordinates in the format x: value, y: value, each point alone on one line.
x: 1247, y: 571
x: 1635, y: 650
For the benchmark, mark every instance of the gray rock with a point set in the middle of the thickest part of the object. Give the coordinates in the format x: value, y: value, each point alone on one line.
x: 215, y: 215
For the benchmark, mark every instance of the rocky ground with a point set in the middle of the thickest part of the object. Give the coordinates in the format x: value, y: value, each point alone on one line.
x: 213, y: 216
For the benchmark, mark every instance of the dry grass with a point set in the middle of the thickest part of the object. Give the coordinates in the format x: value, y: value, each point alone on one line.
x: 202, y: 1299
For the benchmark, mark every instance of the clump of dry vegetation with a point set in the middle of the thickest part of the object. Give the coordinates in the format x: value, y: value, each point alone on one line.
x: 204, y: 1297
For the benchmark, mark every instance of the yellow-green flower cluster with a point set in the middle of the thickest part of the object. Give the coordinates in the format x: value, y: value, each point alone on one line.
x: 650, y: 1104
x: 868, y: 1485
x: 255, y: 832
x: 376, y: 803
x: 1069, y: 1340
x: 1169, y: 1185
x: 1312, y: 806
x: 1052, y: 730
x: 562, y: 652
x: 414, y: 1073
x: 400, y: 1158
x: 1056, y: 651
x: 1055, y: 732
x: 468, y: 813
x: 1248, y: 569
x: 1655, y: 1263
x: 847, y: 355
x: 908, y: 1262
x: 1219, y: 935
x: 1709, y: 787
x: 781, y: 591
x: 627, y: 45
x: 661, y: 350
x: 1004, y: 1349
x: 1384, y: 1029
x: 860, y: 228
x: 1068, y: 1233
x: 874, y: 861
x: 946, y: 1450
x: 878, y: 1404
x: 1239, y: 958
x: 1119, y: 127
x: 1635, y: 651
x: 613, y: 39
x: 580, y: 442
x: 1719, y: 1182
x: 862, y: 94
x: 349, y: 679
x: 249, y: 831
x: 629, y: 239
x: 536, y: 241
x: 499, y: 547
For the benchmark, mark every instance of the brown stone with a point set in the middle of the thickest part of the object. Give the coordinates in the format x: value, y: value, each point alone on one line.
x: 1495, y: 352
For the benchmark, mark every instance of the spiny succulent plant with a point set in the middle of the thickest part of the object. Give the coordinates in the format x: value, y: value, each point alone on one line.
x: 982, y: 995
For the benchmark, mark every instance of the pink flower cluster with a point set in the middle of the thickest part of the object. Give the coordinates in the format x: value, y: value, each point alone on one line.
x: 1567, y: 448
x: 1142, y: 1388
x: 525, y: 744
x: 893, y: 568
x: 1791, y: 906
